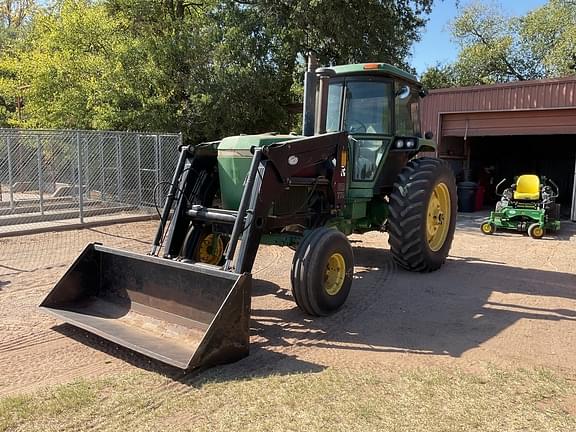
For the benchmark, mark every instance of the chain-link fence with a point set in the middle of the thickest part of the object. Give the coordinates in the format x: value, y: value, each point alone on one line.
x: 51, y: 179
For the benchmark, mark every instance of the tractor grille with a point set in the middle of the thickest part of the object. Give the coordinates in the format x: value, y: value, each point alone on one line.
x: 291, y: 201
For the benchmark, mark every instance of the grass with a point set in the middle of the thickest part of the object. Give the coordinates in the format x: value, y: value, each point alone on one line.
x: 49, y: 404
x: 334, y: 399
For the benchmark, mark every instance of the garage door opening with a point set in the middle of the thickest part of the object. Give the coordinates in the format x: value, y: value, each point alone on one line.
x: 492, y: 158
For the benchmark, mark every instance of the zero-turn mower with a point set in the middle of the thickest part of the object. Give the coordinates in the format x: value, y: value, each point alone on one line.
x: 355, y: 169
x: 528, y: 205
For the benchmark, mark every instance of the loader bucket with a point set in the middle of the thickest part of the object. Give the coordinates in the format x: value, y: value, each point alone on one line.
x: 185, y: 315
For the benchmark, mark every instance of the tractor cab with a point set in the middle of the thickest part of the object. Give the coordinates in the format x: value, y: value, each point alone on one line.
x: 378, y: 105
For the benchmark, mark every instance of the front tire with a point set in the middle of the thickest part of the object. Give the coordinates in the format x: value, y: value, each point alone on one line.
x: 536, y: 231
x: 322, y: 271
x: 488, y: 228
x: 422, y: 216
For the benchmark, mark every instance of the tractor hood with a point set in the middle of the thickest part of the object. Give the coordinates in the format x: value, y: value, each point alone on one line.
x: 234, y: 159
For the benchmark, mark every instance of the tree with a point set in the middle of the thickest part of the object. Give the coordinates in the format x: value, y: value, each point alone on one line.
x: 549, y: 33
x: 439, y: 76
x: 69, y: 67
x: 207, y: 68
x: 345, y: 31
x: 15, y: 16
x: 14, y: 13
x: 495, y: 48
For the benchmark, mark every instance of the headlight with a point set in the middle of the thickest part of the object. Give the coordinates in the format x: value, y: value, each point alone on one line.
x: 404, y: 143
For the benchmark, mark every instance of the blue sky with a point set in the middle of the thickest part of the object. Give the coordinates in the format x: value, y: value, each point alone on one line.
x: 436, y: 45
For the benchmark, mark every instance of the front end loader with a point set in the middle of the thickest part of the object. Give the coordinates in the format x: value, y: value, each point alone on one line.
x: 355, y: 169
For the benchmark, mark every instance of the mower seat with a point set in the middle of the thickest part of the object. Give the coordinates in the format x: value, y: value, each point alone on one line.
x: 527, y: 188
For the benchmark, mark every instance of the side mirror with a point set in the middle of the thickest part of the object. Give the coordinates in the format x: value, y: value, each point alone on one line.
x: 403, y: 92
x: 429, y: 135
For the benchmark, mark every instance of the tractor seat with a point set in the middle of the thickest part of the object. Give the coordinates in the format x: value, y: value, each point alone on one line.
x: 527, y: 188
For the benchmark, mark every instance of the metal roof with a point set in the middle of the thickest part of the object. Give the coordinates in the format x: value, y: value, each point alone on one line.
x: 515, y: 96
x: 374, y: 68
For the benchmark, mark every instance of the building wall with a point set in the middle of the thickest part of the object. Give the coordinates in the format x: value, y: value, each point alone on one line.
x: 520, y: 108
x: 521, y: 95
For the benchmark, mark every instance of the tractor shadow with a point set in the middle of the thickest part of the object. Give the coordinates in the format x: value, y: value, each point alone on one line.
x: 446, y: 313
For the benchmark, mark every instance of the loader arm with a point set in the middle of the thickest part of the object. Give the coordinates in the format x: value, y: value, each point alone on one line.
x: 274, y: 168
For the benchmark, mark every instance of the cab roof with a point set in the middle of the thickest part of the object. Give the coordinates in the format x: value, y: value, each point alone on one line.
x: 375, y: 68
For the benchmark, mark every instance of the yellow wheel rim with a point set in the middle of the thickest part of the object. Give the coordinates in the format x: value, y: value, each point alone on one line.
x: 438, y: 217
x: 211, y: 249
x: 537, y: 231
x: 334, y: 274
x: 487, y: 228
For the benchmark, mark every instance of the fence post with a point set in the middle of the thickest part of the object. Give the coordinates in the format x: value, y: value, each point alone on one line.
x: 139, y: 157
x: 80, y: 188
x: 159, y: 140
x: 102, y: 171
x: 118, y: 169
x: 40, y: 176
x: 10, y: 175
x: 157, y: 147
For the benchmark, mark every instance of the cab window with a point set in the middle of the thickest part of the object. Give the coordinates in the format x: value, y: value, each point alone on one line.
x: 368, y: 107
x: 334, y: 107
x: 407, y: 112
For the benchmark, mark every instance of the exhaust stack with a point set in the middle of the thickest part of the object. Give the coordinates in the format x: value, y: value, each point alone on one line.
x: 309, y: 107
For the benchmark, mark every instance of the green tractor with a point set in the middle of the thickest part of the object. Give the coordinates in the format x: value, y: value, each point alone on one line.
x: 355, y: 169
x: 528, y: 205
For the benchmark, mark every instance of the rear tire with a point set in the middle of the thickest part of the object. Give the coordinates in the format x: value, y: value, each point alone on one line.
x: 322, y: 271
x: 553, y: 212
x: 420, y: 235
x: 204, y: 246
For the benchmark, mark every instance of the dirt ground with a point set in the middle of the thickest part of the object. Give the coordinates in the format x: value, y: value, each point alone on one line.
x: 504, y: 299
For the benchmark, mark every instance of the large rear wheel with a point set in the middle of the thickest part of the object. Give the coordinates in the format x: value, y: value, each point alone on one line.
x: 322, y: 272
x: 204, y: 246
x: 422, y: 214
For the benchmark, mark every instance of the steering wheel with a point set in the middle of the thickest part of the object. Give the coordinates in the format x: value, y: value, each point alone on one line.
x: 352, y: 129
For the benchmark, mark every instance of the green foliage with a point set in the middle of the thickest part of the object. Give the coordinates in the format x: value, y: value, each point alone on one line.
x: 549, y: 33
x: 495, y: 48
x: 208, y: 69
x: 15, y: 17
x: 346, y: 31
x: 439, y: 76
